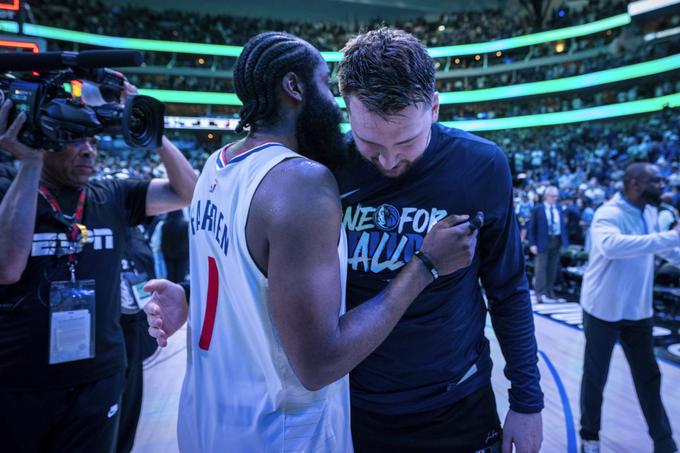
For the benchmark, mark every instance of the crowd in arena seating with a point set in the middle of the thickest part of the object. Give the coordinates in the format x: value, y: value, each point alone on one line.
x: 560, y: 102
x: 615, y: 49
x: 447, y: 29
x: 586, y: 161
x: 608, y: 58
x: 602, y: 61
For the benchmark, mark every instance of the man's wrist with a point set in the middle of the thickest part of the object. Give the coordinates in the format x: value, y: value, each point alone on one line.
x: 427, y: 262
x: 422, y: 271
x: 526, y: 408
x: 35, y: 161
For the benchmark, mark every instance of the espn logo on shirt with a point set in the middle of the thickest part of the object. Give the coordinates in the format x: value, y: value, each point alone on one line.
x: 47, y: 244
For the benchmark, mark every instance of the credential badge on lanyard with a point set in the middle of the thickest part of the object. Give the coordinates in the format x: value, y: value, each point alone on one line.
x: 72, y: 302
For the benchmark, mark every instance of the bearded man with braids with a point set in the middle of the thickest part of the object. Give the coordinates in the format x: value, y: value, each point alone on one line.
x: 269, y: 342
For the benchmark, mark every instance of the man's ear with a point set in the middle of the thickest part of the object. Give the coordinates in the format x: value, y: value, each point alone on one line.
x: 435, y: 107
x: 292, y: 86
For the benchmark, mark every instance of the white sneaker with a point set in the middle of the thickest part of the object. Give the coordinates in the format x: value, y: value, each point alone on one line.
x: 590, y: 446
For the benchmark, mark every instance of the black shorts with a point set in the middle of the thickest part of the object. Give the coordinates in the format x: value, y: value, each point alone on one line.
x: 77, y: 419
x: 468, y: 426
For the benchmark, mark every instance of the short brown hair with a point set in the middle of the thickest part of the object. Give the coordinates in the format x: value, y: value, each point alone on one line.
x: 388, y: 70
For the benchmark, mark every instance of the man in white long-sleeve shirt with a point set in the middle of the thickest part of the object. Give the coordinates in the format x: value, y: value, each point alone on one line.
x: 616, y: 297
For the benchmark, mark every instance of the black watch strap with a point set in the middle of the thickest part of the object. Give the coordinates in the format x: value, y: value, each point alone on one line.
x: 428, y: 264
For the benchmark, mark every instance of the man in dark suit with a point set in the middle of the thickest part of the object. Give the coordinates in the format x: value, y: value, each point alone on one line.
x: 547, y: 235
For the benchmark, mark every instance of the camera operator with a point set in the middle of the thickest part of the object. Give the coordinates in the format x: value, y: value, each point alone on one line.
x: 62, y: 353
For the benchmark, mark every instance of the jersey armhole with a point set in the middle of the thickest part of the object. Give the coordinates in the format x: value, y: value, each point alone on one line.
x: 251, y: 196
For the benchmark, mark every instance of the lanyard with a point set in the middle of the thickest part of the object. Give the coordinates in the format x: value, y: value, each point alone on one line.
x: 77, y: 232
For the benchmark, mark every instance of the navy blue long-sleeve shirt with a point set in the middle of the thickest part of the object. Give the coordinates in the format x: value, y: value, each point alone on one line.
x: 437, y: 354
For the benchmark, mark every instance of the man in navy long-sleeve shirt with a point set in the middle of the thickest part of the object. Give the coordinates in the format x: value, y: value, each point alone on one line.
x: 427, y: 387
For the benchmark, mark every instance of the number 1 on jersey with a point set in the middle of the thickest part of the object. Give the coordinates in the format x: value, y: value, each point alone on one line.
x: 210, y: 304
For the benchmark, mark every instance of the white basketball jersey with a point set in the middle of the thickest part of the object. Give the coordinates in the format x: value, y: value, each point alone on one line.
x: 240, y: 393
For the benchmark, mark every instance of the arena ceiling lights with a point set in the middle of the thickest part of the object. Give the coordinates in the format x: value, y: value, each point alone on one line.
x: 234, y: 51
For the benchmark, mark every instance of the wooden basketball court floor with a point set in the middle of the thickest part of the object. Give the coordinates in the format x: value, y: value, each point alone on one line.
x: 560, y: 362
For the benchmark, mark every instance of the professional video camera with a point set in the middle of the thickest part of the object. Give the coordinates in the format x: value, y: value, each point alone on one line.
x: 68, y: 96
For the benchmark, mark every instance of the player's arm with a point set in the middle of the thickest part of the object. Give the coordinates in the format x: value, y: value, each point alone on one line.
x: 19, y: 205
x: 304, y: 276
x: 507, y: 290
x: 175, y: 192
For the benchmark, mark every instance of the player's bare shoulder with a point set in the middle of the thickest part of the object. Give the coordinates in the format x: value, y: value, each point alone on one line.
x: 296, y: 189
x: 300, y: 181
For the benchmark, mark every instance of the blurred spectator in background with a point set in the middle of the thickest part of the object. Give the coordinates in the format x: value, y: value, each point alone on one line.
x: 175, y: 246
x: 137, y: 267
x: 547, y: 234
x: 616, y: 297
x: 668, y: 213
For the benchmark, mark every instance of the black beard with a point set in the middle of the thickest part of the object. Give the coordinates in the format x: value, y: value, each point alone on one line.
x: 318, y: 131
x: 651, y: 198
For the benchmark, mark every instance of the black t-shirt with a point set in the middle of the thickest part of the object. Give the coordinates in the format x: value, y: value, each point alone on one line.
x: 437, y: 353
x: 110, y: 208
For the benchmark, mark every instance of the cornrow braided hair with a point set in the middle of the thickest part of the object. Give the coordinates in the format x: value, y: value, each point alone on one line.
x: 265, y: 59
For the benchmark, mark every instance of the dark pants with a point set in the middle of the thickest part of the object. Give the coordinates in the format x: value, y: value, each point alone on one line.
x: 131, y: 407
x: 468, y: 426
x: 636, y: 340
x: 546, y: 265
x: 138, y: 347
x: 78, y: 419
